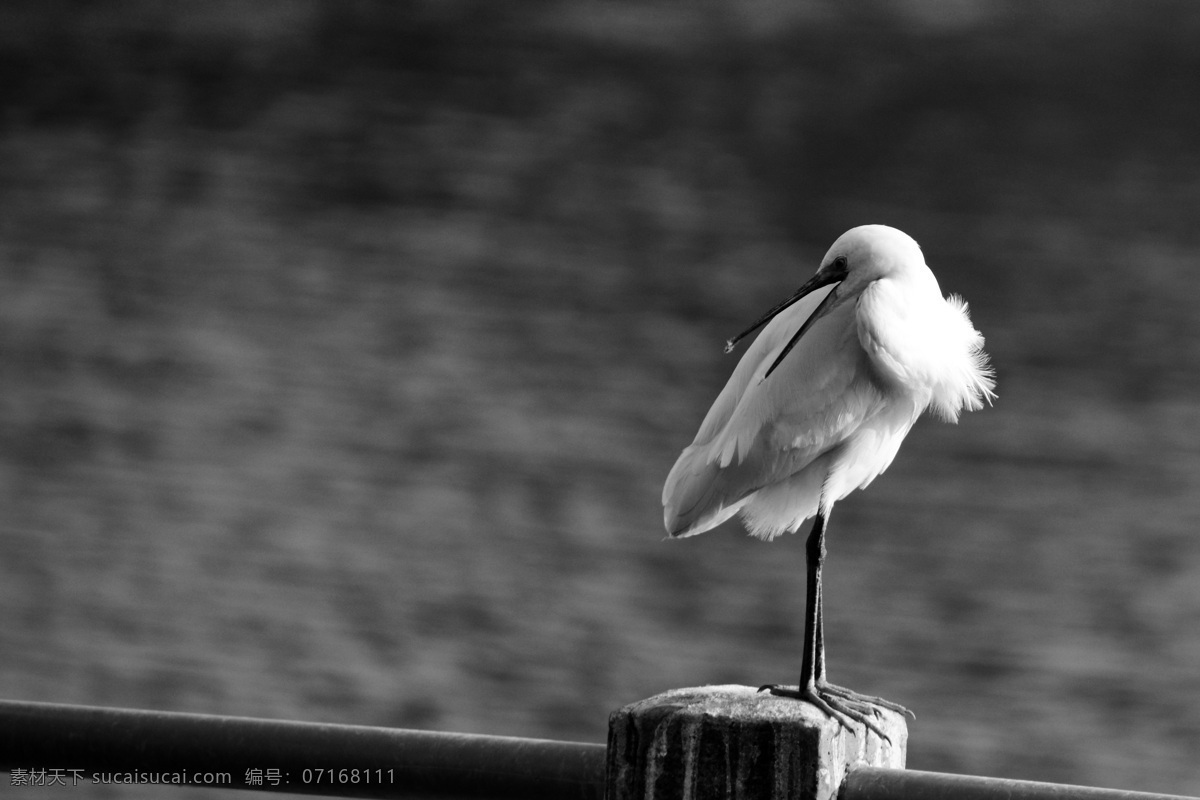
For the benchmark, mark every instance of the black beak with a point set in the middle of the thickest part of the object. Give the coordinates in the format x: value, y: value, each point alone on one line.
x: 835, y: 273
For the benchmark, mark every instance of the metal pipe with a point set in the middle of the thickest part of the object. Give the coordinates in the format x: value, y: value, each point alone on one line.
x: 89, y: 744
x: 878, y: 783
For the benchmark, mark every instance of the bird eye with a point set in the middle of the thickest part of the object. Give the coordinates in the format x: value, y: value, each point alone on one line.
x: 840, y: 262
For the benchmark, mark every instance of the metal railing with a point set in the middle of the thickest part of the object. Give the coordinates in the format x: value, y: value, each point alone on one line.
x: 874, y: 783
x: 83, y: 743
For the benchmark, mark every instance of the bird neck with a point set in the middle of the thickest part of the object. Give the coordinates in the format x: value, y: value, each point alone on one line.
x: 894, y: 326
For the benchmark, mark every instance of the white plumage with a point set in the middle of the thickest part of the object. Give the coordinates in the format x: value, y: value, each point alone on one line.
x: 881, y: 345
x: 818, y: 407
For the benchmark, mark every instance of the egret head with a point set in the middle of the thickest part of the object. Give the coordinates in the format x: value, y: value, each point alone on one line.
x: 865, y: 254
x: 859, y: 257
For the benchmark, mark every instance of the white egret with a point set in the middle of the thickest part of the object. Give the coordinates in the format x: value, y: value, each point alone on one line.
x: 817, y: 408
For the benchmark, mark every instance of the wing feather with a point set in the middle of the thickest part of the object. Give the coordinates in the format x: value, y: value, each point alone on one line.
x: 760, y: 432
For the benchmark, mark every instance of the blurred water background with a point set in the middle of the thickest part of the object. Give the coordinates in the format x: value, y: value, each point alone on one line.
x: 346, y: 346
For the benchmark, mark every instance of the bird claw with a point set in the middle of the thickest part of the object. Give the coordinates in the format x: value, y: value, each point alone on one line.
x: 841, y: 704
x: 865, y: 699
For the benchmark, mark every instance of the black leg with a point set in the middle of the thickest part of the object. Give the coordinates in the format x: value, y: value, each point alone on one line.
x: 820, y: 637
x: 812, y: 664
x: 842, y: 704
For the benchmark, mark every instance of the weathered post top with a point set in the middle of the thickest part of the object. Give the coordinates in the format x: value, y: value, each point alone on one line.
x: 735, y: 743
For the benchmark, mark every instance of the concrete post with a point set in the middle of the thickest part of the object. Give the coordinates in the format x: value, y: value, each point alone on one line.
x: 735, y: 743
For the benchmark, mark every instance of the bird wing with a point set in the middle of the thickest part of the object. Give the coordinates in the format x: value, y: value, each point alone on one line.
x: 759, y: 432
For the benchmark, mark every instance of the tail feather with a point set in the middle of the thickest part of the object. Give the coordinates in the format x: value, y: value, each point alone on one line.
x: 694, y: 498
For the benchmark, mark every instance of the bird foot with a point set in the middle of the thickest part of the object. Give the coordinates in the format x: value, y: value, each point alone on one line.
x: 843, y: 705
x: 864, y: 699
